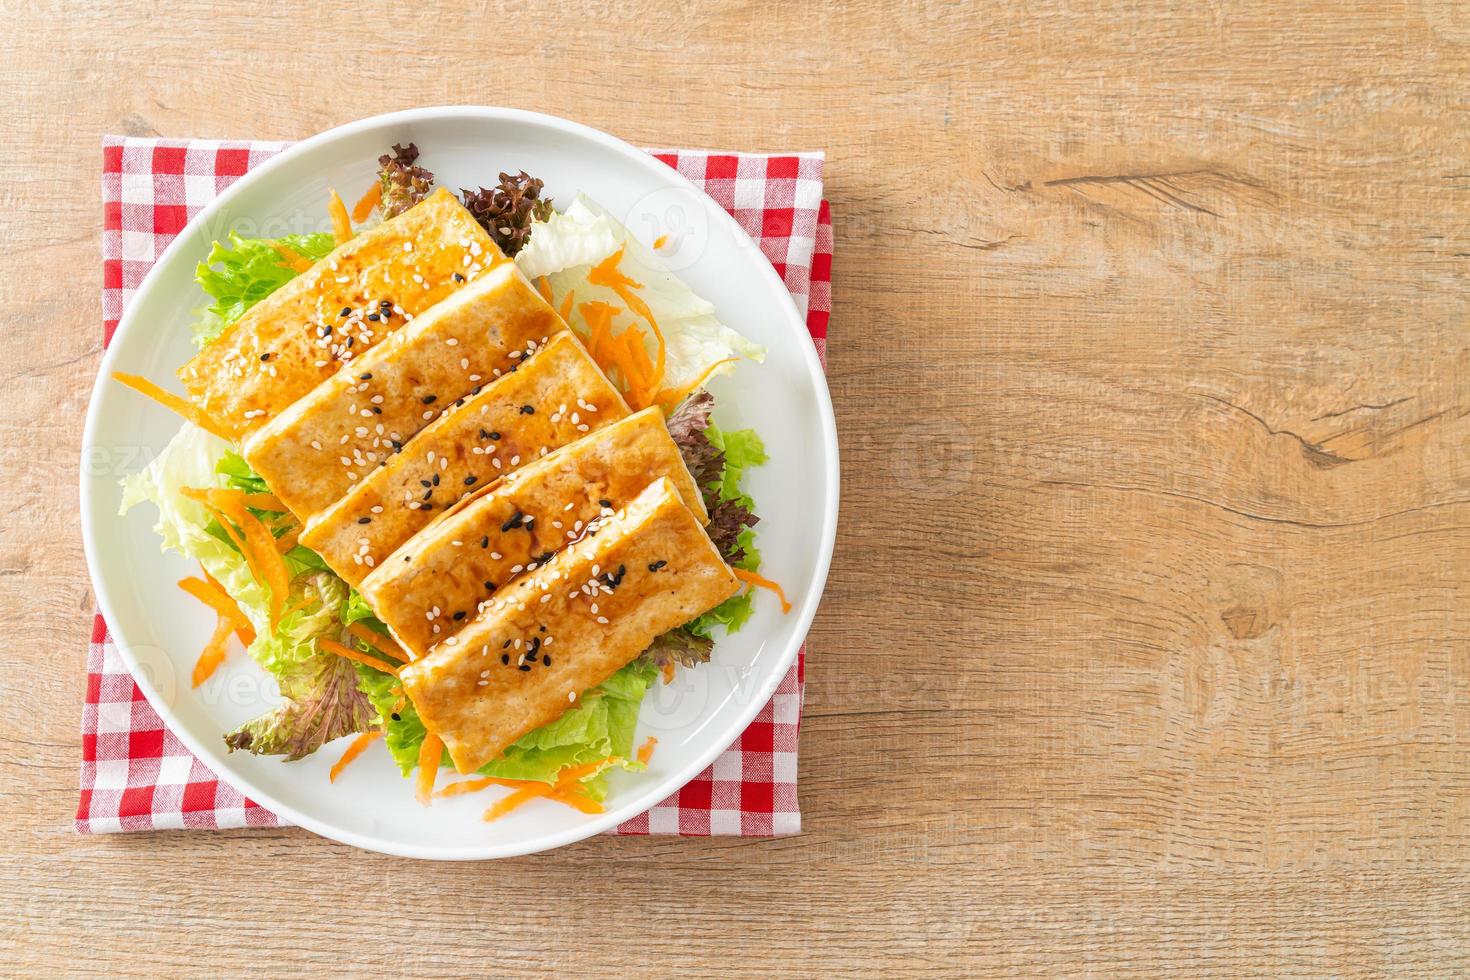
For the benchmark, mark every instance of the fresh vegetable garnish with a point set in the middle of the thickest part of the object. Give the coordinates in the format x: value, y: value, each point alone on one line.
x: 401, y: 184
x: 366, y: 659
x: 366, y: 204
x: 214, y: 652
x: 756, y: 579
x: 430, y: 755
x: 508, y: 209
x: 177, y: 404
x: 354, y: 749
x: 341, y: 222
x: 209, y: 592
x: 291, y: 258
x: 239, y: 275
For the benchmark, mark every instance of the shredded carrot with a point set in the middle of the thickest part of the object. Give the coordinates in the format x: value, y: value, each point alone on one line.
x: 668, y: 672
x: 481, y: 782
x: 751, y: 578
x: 246, y: 633
x: 341, y: 223
x: 288, y: 540
x: 599, y: 328
x: 573, y: 774
x: 354, y: 750
x: 639, y: 353
x: 292, y: 259
x: 543, y: 286
x: 179, y: 406
x: 669, y: 398
x: 379, y: 642
x: 660, y: 242
x: 363, y: 209
x: 332, y: 646
x: 515, y: 799
x: 214, y: 651
x: 606, y: 273
x: 259, y: 544
x: 219, y: 600
x: 430, y: 754
x: 566, y: 306
x: 264, y: 501
x: 645, y: 751
x: 573, y: 798
x: 306, y: 600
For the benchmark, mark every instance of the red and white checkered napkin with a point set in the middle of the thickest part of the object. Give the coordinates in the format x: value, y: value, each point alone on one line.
x: 137, y: 776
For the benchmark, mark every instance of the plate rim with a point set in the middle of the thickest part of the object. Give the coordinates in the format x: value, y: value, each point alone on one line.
x: 671, y: 783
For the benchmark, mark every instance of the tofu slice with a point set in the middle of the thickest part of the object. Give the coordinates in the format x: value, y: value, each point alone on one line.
x: 474, y: 444
x: 445, y: 571
x: 292, y: 340
x: 314, y: 451
x: 579, y: 618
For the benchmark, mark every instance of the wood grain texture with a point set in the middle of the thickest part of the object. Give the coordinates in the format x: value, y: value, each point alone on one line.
x: 1161, y: 666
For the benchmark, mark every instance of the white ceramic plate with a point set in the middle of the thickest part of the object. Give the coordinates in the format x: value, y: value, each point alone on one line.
x: 160, y: 630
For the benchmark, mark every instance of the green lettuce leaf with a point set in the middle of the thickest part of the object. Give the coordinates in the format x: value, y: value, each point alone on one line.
x: 239, y: 275
x: 566, y: 246
x: 318, y: 705
x: 601, y: 725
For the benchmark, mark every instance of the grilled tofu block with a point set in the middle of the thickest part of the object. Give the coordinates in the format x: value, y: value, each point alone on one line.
x: 313, y: 452
x: 428, y: 588
x: 568, y: 626
x: 302, y: 333
x: 556, y: 398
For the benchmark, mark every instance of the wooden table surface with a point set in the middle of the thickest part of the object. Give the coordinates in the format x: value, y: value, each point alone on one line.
x: 1146, y: 647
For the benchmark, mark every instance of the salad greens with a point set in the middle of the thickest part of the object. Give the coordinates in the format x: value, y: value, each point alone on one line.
x: 326, y: 696
x: 244, y: 273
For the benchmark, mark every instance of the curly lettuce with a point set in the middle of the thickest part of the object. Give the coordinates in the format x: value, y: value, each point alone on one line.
x: 600, y: 726
x: 318, y: 705
x: 244, y: 273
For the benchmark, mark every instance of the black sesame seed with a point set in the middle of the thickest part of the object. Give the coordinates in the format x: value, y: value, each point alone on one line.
x: 513, y: 522
x: 494, y: 436
x: 489, y: 585
x: 266, y: 356
x: 373, y: 317
x: 505, y: 644
x: 484, y: 434
x: 459, y: 403
x: 436, y: 479
x: 459, y: 615
x: 605, y: 502
x: 657, y: 565
x: 425, y: 483
x: 364, y: 520
x: 385, y: 304
x: 429, y: 399
x: 543, y: 629
x: 528, y: 410
x: 428, y: 493
x: 546, y: 660
x: 365, y: 377
x: 346, y: 311
x: 458, y: 277
x: 525, y: 666
x: 469, y: 481
x: 396, y: 716
x: 477, y: 389
x: 485, y: 541
x: 397, y: 446
x: 505, y: 658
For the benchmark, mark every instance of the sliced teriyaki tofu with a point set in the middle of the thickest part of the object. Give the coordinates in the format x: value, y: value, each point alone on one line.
x: 558, y: 396
x: 313, y: 452
x: 353, y: 298
x: 568, y: 626
x: 437, y: 581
